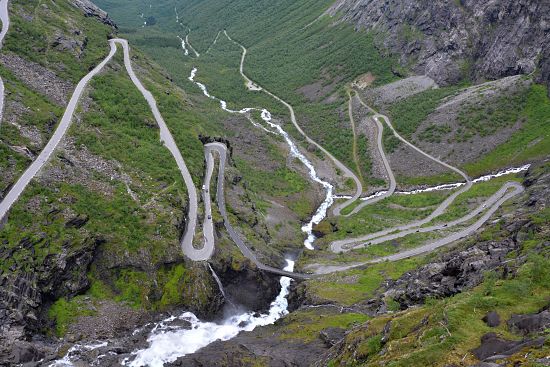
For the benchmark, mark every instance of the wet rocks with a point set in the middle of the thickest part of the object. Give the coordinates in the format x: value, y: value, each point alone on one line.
x: 455, y: 272
x: 332, y: 335
x: 248, y: 286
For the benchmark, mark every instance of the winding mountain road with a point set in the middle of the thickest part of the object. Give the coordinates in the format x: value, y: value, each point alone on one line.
x: 60, y: 131
x: 207, y: 249
x: 343, y: 245
x: 343, y: 168
x: 165, y: 137
x: 221, y: 149
x: 5, y: 18
x: 387, y: 167
x: 494, y: 202
x: 169, y: 142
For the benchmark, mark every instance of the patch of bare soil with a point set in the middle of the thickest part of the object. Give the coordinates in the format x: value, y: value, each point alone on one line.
x: 407, y: 162
x: 319, y: 90
x: 451, y: 146
x: 364, y: 81
x: 78, y: 166
x: 112, y: 320
x: 401, y: 89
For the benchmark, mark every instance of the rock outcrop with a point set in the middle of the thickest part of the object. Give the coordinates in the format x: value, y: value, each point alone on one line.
x: 92, y: 10
x: 449, y: 40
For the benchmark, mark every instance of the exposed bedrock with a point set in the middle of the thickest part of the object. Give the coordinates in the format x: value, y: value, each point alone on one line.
x: 449, y: 40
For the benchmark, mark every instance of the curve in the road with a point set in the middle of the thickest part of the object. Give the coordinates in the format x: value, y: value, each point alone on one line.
x: 343, y: 168
x: 165, y: 137
x: 496, y: 201
x: 387, y: 167
x: 221, y: 149
x: 401, y: 231
x: 5, y: 18
x: 339, y: 246
x: 60, y: 131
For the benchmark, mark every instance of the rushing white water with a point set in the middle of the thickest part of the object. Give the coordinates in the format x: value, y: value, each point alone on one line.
x: 321, y: 212
x: 217, y: 279
x: 167, y: 342
x: 73, y: 353
x: 450, y: 186
x: 185, y: 50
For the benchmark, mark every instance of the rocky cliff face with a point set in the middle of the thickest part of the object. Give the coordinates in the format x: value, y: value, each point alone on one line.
x: 92, y: 10
x: 449, y: 39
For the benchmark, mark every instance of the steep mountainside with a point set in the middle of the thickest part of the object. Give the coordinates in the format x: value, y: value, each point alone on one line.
x: 96, y: 233
x: 451, y: 40
x: 275, y: 183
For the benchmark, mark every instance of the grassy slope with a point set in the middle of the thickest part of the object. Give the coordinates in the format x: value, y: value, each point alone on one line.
x: 531, y: 142
x: 117, y: 126
x: 282, y: 55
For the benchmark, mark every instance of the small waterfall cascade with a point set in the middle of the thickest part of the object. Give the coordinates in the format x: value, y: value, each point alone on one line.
x: 220, y: 285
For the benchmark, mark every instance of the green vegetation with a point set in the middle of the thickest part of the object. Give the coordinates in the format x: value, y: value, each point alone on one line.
x: 472, y: 198
x: 389, y: 212
x: 483, y: 119
x: 356, y: 285
x: 444, y: 331
x: 283, y: 61
x: 530, y: 142
x: 434, y: 133
x: 365, y: 160
x: 33, y: 39
x: 306, y: 325
x: 407, y: 114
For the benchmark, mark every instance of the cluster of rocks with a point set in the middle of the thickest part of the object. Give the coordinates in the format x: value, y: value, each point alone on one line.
x: 494, y: 348
x: 25, y: 294
x: 39, y: 78
x: 452, y: 273
x: 92, y: 10
x: 448, y: 40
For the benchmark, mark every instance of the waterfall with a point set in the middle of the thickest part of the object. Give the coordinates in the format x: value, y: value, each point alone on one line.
x: 220, y: 285
x: 167, y: 341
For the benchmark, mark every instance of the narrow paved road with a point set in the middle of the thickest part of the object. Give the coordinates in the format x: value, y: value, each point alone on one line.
x: 342, y: 245
x: 494, y: 202
x: 165, y: 137
x: 392, y: 233
x: 220, y: 198
x: 387, y: 167
x: 345, y: 170
x: 60, y: 131
x: 5, y: 18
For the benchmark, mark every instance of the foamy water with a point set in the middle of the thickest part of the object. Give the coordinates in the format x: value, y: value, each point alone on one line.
x: 450, y: 186
x: 74, y: 352
x: 184, y: 48
x: 321, y: 212
x: 166, y: 343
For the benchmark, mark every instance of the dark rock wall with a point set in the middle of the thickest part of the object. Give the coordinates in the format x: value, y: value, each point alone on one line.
x: 449, y: 40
